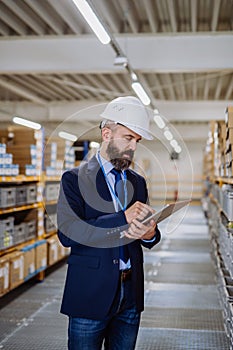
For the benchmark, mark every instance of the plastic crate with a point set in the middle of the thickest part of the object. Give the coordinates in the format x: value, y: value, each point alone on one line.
x: 31, y: 229
x: 7, y: 197
x: 50, y: 222
x: 7, y: 226
x: 52, y: 192
x: 21, y: 195
x: 20, y: 232
x: 31, y: 193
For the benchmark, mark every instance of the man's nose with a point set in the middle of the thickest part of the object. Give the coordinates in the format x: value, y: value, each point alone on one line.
x: 133, y: 145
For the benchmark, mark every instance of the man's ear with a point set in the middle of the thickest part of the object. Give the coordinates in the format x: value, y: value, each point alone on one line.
x: 106, y: 134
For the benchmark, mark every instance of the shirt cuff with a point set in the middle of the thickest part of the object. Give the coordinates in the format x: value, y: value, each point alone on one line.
x: 149, y: 240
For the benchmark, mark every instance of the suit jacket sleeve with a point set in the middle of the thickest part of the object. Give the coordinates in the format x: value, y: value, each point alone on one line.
x: 74, y: 225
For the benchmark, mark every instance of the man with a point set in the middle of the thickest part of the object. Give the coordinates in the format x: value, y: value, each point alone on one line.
x: 100, y: 209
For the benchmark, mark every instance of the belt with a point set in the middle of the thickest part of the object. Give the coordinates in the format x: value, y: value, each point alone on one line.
x: 126, y: 275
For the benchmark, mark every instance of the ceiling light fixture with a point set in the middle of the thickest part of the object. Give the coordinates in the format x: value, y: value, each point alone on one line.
x: 174, y: 143
x: 141, y: 93
x: 120, y: 61
x: 159, y: 121
x: 168, y: 135
x: 178, y: 149
x: 67, y: 136
x: 94, y: 144
x: 27, y: 123
x: 93, y: 21
x: 134, y: 76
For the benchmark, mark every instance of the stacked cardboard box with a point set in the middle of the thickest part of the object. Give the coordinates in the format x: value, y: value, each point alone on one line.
x: 16, y: 261
x: 4, y: 275
x: 26, y: 147
x: 229, y: 141
x: 208, y: 159
x: 58, y: 155
x: 29, y: 261
x: 218, y: 155
x: 56, y: 251
x: 7, y: 168
x: 41, y: 255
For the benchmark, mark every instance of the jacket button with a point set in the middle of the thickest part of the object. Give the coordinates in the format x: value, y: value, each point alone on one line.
x: 115, y: 261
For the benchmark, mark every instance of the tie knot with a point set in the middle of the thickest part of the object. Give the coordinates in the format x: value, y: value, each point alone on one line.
x: 116, y: 172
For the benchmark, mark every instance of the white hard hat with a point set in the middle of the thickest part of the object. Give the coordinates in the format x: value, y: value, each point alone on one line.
x: 130, y: 112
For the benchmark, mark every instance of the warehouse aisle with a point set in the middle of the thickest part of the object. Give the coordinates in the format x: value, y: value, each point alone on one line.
x: 182, y: 310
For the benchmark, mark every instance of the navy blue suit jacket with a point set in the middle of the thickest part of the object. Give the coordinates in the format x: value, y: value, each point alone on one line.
x: 88, y: 223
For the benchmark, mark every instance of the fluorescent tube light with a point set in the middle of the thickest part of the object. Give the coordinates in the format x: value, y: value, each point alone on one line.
x: 138, y: 89
x: 168, y: 135
x: 174, y: 143
x: 27, y: 123
x: 178, y: 149
x: 67, y: 136
x: 92, y: 20
x: 94, y: 144
x: 159, y: 121
x: 134, y: 76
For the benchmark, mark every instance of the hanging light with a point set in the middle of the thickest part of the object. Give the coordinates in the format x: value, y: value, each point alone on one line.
x: 141, y: 93
x: 67, y: 136
x: 159, y: 121
x: 168, y: 135
x: 174, y: 143
x: 93, y: 21
x: 27, y: 123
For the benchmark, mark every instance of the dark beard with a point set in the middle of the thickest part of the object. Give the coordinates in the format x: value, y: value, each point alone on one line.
x: 116, y: 157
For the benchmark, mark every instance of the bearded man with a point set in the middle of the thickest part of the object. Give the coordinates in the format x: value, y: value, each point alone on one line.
x: 100, y: 209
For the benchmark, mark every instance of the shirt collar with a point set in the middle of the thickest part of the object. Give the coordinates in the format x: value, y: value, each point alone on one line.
x: 105, y: 163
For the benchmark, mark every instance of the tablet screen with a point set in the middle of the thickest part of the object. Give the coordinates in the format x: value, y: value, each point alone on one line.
x: 166, y: 211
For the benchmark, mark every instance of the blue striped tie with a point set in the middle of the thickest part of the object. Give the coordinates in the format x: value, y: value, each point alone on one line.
x: 119, y: 191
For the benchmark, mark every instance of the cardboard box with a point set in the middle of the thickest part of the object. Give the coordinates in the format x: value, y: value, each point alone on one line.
x: 62, y: 251
x: 53, y: 248
x: 41, y: 255
x: 16, y: 260
x: 229, y: 135
x: 4, y: 275
x: 229, y: 116
x: 29, y: 261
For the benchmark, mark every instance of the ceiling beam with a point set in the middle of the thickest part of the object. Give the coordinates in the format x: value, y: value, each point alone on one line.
x: 12, y: 21
x: 194, y: 15
x: 172, y: 15
x: 214, y: 21
x: 90, y: 110
x: 130, y: 14
x: 229, y: 89
x: 67, y: 13
x: 160, y: 53
x: 151, y: 14
x: 43, y: 10
x: 28, y: 18
x: 21, y: 92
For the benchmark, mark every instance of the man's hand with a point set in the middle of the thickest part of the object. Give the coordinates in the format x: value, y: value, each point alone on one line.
x: 138, y: 211
x: 139, y: 231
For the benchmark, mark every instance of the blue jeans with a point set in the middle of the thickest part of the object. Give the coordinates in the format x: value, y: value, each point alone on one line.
x: 118, y: 331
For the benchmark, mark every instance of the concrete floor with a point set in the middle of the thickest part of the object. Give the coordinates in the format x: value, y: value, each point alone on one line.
x: 182, y: 310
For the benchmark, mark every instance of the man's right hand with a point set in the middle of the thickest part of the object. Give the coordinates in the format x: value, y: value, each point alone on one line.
x: 138, y: 211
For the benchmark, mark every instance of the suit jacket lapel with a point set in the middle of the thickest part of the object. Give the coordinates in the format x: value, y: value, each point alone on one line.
x: 96, y: 176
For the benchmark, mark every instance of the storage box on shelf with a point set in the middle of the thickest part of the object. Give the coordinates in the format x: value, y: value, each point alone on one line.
x: 220, y: 218
x: 58, y: 156
x: 56, y: 251
x: 25, y: 147
x: 4, y: 275
x: 24, y: 251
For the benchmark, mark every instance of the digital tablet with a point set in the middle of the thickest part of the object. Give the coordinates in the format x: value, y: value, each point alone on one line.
x: 166, y: 211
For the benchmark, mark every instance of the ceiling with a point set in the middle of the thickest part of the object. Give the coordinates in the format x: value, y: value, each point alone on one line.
x: 180, y: 49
